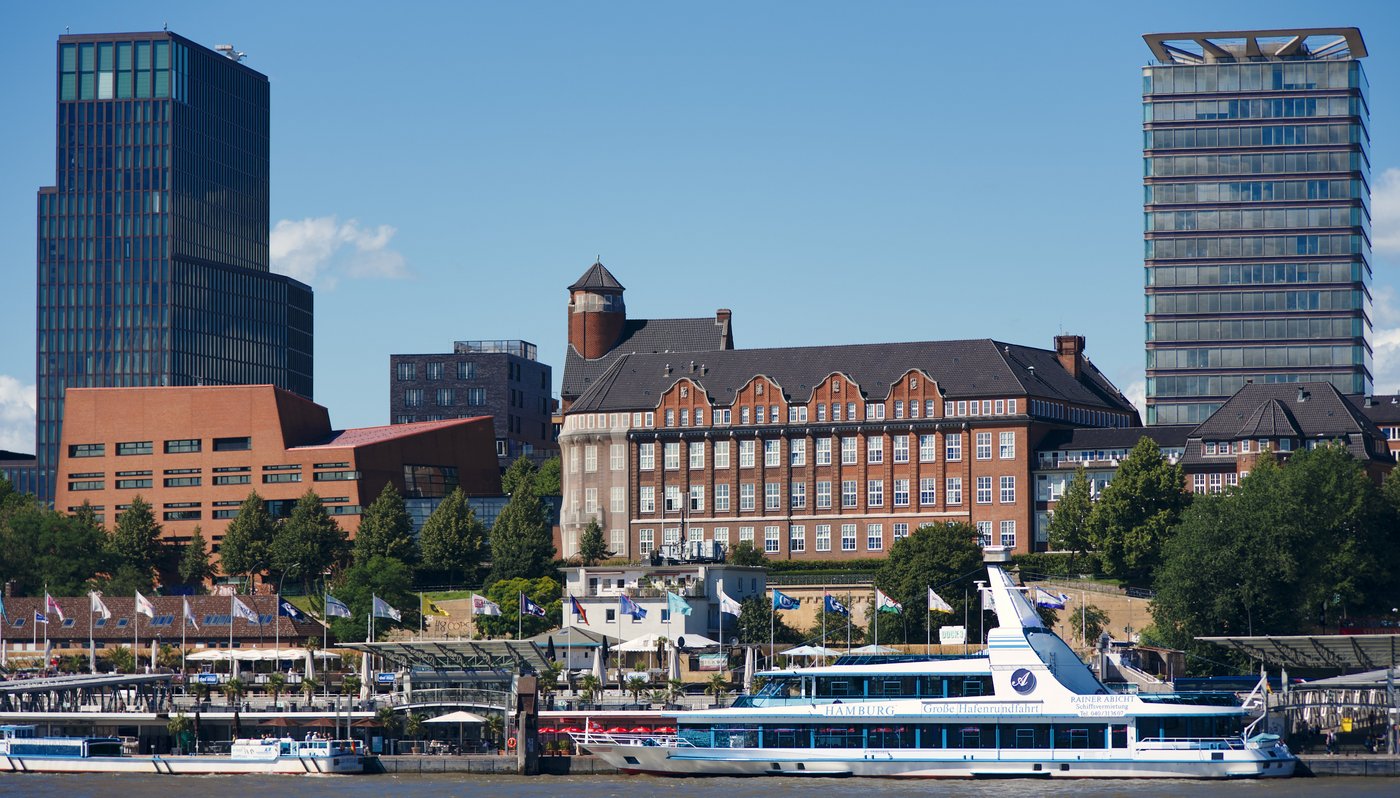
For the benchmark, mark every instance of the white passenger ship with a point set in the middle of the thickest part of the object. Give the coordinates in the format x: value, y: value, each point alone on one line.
x: 1028, y: 708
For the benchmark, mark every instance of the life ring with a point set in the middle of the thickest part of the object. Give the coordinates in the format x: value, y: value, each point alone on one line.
x: 510, y: 743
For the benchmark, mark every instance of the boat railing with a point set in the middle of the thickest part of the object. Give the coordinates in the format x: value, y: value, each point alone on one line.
x: 588, y: 738
x: 1191, y: 743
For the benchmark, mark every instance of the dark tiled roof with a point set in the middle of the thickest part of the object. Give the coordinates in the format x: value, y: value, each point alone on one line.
x: 980, y: 367
x: 597, y: 276
x: 1305, y: 410
x: 1270, y: 420
x: 122, y: 608
x: 1383, y: 409
x: 646, y: 336
x: 1166, y: 436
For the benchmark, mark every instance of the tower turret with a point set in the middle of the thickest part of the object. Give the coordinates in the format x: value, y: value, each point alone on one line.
x: 596, y: 312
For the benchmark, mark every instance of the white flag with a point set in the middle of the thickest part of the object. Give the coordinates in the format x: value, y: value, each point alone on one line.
x: 243, y: 611
x: 729, y: 605
x: 144, y: 606
x: 95, y: 604
x: 189, y: 614
x: 484, y: 606
x: 936, y: 603
x: 51, y: 605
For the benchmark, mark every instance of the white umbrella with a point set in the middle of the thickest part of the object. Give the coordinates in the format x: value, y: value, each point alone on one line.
x: 748, y: 669
x: 457, y: 717
x: 645, y: 643
x: 874, y: 649
x: 309, y: 671
x: 154, y: 647
x: 673, y: 665
x: 598, y: 664
x: 810, y: 651
x: 696, y: 640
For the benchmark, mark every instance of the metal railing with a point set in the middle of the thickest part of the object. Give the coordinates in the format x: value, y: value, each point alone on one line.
x: 640, y: 740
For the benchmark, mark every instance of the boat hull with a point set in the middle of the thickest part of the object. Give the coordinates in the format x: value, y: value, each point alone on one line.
x: 920, y: 765
x: 183, y: 765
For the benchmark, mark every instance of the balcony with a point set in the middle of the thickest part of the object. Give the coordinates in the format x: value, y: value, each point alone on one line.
x: 523, y: 349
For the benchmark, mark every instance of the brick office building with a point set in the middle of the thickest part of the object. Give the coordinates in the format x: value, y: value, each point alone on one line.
x: 822, y: 452
x: 195, y: 453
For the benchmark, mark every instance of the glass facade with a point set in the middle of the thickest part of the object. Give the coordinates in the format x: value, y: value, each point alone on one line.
x: 1257, y: 225
x: 153, y: 242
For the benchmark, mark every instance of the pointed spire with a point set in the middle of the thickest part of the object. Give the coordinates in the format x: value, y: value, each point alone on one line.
x: 597, y: 278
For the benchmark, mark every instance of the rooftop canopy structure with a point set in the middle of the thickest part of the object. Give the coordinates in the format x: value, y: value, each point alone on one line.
x: 1342, y: 652
x: 1256, y: 45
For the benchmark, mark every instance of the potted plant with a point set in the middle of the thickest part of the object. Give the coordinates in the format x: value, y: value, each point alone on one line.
x: 201, y: 695
x: 310, y: 685
x: 589, y: 686
x: 350, y: 685
x: 178, y: 727
x: 276, y: 683
x: 413, y: 729
x: 234, y: 689
x: 717, y: 686
x: 492, y: 729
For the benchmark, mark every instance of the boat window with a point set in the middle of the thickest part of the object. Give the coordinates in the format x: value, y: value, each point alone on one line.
x: 972, y: 735
x: 1030, y: 735
x: 1077, y: 737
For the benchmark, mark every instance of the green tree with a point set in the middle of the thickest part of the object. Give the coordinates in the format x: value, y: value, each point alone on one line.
x: 522, y: 539
x: 385, y: 577
x: 520, y: 475
x: 835, y: 628
x: 276, y: 685
x: 308, y: 543
x: 1069, y: 524
x: 120, y: 659
x: 1089, y: 621
x: 592, y: 547
x: 636, y: 685
x: 588, y: 687
x: 234, y: 690
x: 40, y: 547
x: 1136, y: 512
x: 350, y: 685
x: 136, y: 537
x: 755, y: 614
x: 385, y: 529
x: 453, y: 539
x: 717, y: 686
x: 745, y: 553
x: 547, y: 479
x: 86, y: 515
x: 544, y: 591
x: 934, y: 556
x: 244, y: 549
x: 194, y: 568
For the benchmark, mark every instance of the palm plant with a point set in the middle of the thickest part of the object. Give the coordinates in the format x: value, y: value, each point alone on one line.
x: 717, y: 686
x: 234, y: 689
x: 350, y: 685
x: 492, y: 728
x: 276, y: 684
x: 637, y: 685
x: 589, y: 686
x: 310, y: 685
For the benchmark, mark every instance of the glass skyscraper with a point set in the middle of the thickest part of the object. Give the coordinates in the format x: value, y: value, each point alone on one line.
x: 153, y: 241
x: 1257, y: 215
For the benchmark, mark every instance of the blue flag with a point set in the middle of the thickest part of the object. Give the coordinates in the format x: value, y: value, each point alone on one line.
x: 629, y: 607
x: 676, y: 604
x: 290, y: 610
x: 528, y: 607
x: 40, y: 617
x: 335, y: 608
x: 783, y: 602
x: 832, y: 605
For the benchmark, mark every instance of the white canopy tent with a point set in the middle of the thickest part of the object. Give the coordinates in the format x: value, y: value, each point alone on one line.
x: 256, y: 655
x: 457, y: 717
x: 810, y: 651
x: 648, y: 643
x: 874, y: 649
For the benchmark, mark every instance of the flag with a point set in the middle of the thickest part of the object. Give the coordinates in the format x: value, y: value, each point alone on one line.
x: 884, y: 603
x: 484, y: 606
x: 39, y: 617
x: 782, y: 601
x: 528, y: 607
x: 832, y: 605
x: 290, y: 610
x: 629, y: 607
x: 936, y: 603
x: 146, y: 608
x: 676, y: 604
x: 241, y: 610
x: 51, y: 605
x: 189, y: 614
x: 1048, y: 600
x: 381, y: 609
x: 430, y: 608
x: 578, y: 609
x: 95, y: 605
x: 728, y: 605
x: 335, y: 608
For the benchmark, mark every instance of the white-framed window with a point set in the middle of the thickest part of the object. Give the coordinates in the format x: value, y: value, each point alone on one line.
x: 746, y: 495
x: 697, y: 498
x: 670, y: 418
x: 646, y: 498
x: 697, y: 455
x: 646, y: 541
x: 646, y: 456
x: 590, y: 459
x: 1008, y: 446
x: 743, y: 415
x: 928, y: 491
x: 899, y: 408
x: 901, y: 531
x: 673, y: 499
x: 928, y: 448
x: 1000, y: 407
x: 928, y: 408
x: 875, y: 450
x: 1008, y: 534
x: 875, y: 493
x: 590, y: 500
x: 699, y: 417
x: 772, y: 496
x: 1214, y: 483
x: 797, y: 495
x: 874, y: 537
x: 772, y: 453
x: 823, y: 537
x: 984, y: 533
x: 618, y: 499
x: 673, y: 535
x: 961, y: 409
x: 650, y: 420
x: 672, y: 455
x: 797, y: 537
x: 835, y: 411
x: 984, y: 490
x: 617, y: 456
x: 721, y: 497
x: 848, y: 537
x: 824, y: 495
x: 986, y: 407
x: 746, y: 534
x: 746, y: 454
x: 848, y: 493
x: 952, y: 490
x: 952, y: 446
x: 984, y: 446
x: 823, y: 451
x: 573, y: 459
x: 848, y: 451
x: 721, y: 454
x: 772, y: 543
x: 1011, y: 407
x: 722, y: 535
x: 901, y: 493
x: 797, y: 452
x: 1008, y: 490
x: 618, y: 542
x: 900, y: 446
x: 695, y: 534
x: 758, y: 414
x: 797, y: 414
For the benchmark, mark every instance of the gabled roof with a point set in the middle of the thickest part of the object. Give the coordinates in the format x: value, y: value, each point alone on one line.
x: 1269, y: 420
x: 980, y: 367
x: 597, y: 277
x: 1302, y: 410
x: 646, y: 336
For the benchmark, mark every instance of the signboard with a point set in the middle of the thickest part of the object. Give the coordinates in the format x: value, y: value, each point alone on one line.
x: 207, y: 678
x: 952, y: 635
x: 712, y: 662
x: 384, y: 678
x: 948, y: 708
x: 1102, y: 706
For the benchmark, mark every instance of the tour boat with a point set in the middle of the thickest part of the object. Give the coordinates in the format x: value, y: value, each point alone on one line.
x: 23, y: 751
x: 1026, y: 708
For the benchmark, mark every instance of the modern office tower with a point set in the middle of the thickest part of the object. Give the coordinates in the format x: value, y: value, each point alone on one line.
x: 153, y: 240
x: 1256, y: 168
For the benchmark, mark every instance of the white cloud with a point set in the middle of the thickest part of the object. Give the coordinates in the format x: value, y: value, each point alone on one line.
x: 1137, y: 394
x: 1385, y: 212
x: 1385, y: 341
x: 17, y: 406
x: 322, y: 250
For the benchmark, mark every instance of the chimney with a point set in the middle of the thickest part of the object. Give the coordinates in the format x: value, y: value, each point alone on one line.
x: 1070, y: 350
x: 722, y: 316
x: 1370, y: 401
x: 1302, y: 395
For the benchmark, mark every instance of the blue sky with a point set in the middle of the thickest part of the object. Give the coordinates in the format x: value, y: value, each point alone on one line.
x: 832, y: 172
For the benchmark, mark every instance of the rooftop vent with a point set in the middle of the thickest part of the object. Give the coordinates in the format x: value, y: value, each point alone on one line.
x: 1303, y: 395
x: 228, y: 51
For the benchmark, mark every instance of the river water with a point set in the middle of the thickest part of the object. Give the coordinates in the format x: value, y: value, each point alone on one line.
x: 477, y: 786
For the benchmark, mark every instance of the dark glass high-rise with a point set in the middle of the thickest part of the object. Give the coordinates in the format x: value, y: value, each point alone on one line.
x: 153, y: 241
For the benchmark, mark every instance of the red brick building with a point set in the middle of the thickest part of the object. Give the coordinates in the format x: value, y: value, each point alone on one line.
x: 195, y: 453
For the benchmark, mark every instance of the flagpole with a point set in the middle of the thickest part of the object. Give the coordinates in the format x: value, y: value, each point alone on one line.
x: 848, y: 622
x: 232, y: 597
x: 928, y: 628
x: 184, y: 619
x: 823, y: 618
x: 92, y: 647
x: 877, y: 619
x: 277, y: 629
x: 136, y: 631
x: 325, y: 638
x: 422, y: 624
x: 520, y: 616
